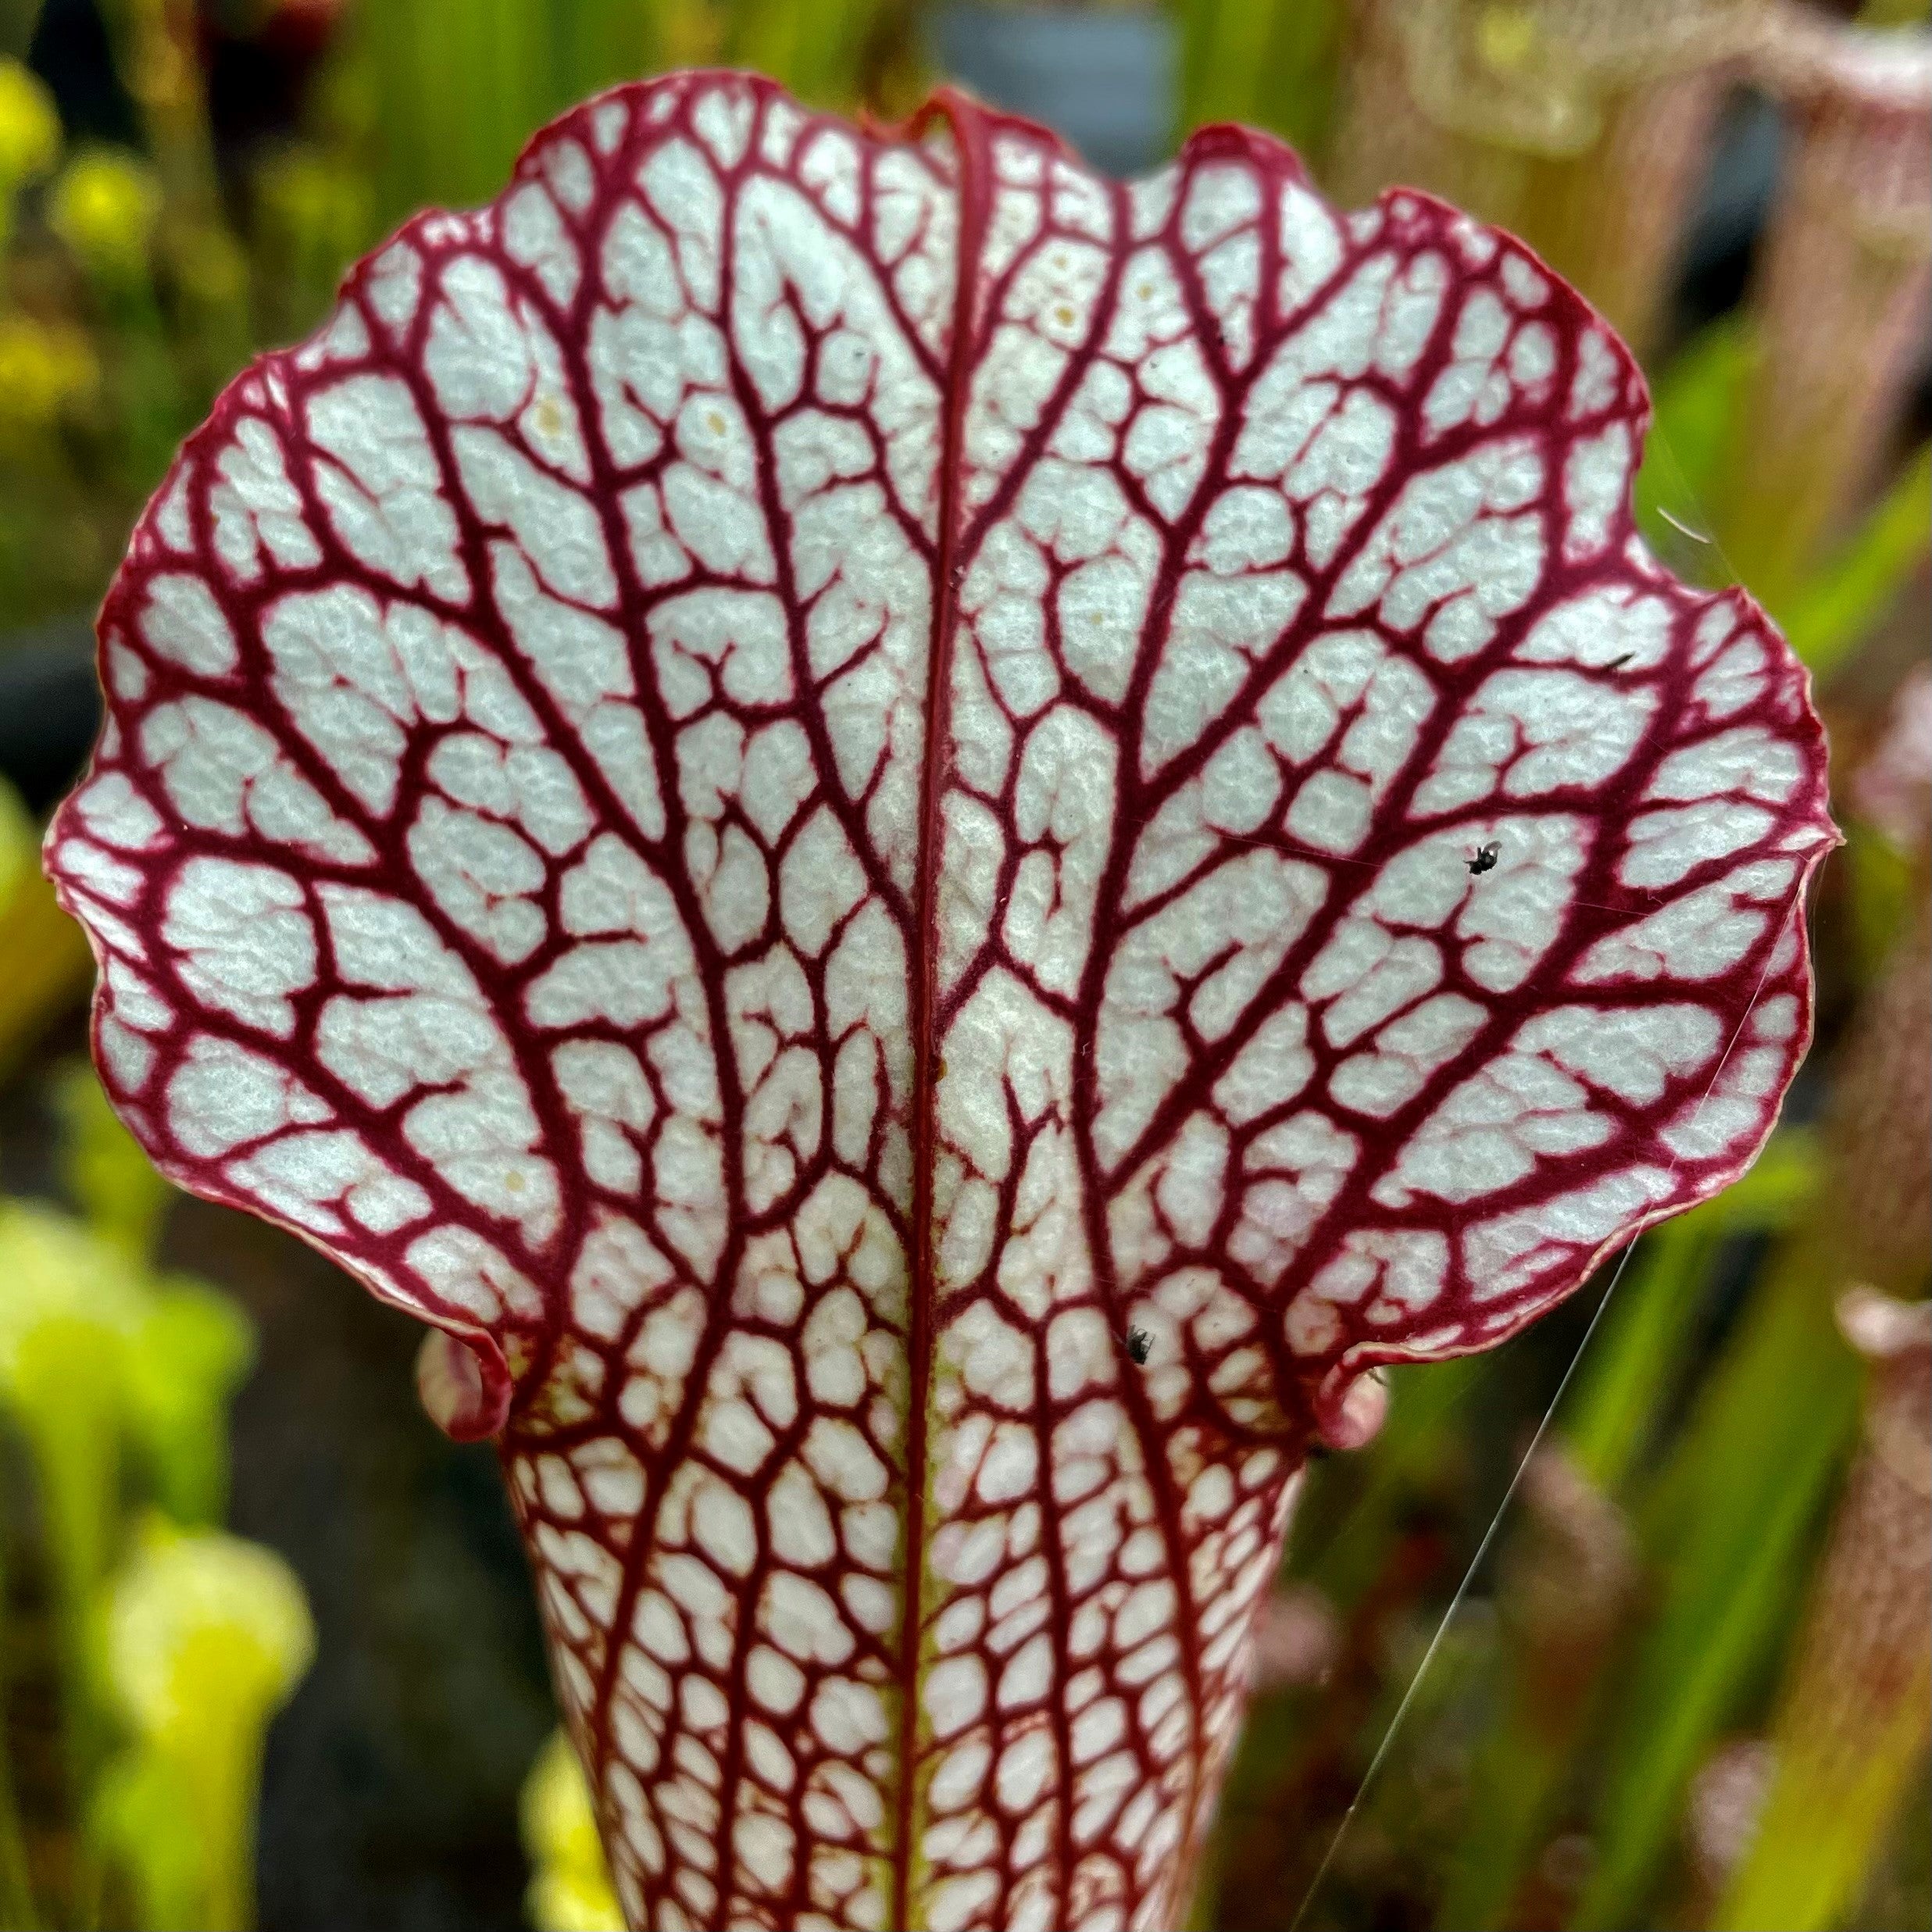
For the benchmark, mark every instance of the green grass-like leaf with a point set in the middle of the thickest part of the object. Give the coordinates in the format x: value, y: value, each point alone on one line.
x: 1841, y: 605
x: 1726, y: 1529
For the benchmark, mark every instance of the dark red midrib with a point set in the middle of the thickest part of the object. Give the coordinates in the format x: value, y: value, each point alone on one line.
x: 848, y: 814
x: 974, y: 161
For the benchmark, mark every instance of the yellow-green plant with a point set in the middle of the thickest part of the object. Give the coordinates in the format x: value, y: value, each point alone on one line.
x: 206, y: 1636
x: 44, y: 960
x: 569, y: 1886
x: 173, y: 1644
x: 30, y: 134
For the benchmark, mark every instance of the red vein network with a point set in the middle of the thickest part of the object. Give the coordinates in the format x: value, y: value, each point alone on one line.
x: 794, y: 776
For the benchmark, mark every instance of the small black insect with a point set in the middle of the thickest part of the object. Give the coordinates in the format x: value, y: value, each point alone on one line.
x: 1139, y: 1343
x: 1485, y: 858
x: 1617, y: 664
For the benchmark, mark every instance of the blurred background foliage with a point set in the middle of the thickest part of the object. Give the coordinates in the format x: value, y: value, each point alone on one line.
x: 1690, y: 1683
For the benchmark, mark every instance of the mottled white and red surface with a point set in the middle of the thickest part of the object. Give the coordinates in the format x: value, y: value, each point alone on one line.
x: 796, y: 774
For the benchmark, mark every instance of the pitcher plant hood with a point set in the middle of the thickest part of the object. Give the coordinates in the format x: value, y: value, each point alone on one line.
x: 924, y: 843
